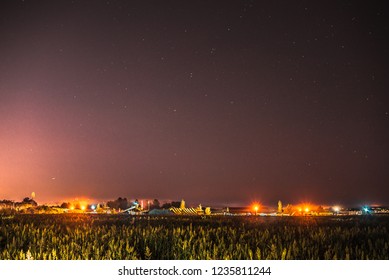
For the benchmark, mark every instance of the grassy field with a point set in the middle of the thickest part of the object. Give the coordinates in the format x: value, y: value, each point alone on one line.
x: 102, y: 237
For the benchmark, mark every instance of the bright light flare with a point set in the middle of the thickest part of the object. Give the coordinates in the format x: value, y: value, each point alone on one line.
x: 255, y: 207
x: 83, y: 207
x: 306, y: 209
x: 71, y: 207
x: 336, y: 208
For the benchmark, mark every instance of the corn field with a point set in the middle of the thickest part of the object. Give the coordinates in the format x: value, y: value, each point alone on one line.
x: 119, y: 237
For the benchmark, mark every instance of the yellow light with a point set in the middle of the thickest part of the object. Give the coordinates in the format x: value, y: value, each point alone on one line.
x: 307, y: 209
x: 255, y: 207
x: 300, y: 209
x: 336, y: 208
x: 83, y: 207
x: 72, y: 207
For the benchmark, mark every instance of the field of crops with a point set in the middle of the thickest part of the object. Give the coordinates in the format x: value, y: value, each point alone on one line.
x: 102, y: 237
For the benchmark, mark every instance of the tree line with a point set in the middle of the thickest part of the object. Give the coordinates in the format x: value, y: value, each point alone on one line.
x: 124, y: 203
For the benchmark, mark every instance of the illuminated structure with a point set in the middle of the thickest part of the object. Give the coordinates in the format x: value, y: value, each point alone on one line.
x: 135, y: 209
x: 279, y: 211
x: 190, y: 211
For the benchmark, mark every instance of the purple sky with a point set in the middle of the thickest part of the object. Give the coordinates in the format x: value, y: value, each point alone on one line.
x: 219, y: 102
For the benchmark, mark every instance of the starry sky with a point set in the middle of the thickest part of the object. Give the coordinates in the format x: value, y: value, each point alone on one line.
x: 218, y: 102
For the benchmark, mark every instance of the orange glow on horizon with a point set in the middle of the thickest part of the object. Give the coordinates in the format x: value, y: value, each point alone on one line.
x: 255, y: 207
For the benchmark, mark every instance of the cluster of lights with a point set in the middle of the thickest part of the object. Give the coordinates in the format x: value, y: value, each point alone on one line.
x: 80, y: 206
x: 255, y: 207
x: 306, y: 209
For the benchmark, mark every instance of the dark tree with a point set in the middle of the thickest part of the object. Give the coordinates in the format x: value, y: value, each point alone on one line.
x: 166, y: 205
x: 120, y: 203
x: 155, y: 205
x: 65, y: 205
x: 176, y: 204
x: 30, y: 201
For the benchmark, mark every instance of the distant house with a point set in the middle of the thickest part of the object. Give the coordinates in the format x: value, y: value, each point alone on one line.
x: 240, y: 210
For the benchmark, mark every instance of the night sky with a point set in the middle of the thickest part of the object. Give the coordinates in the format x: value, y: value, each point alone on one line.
x: 218, y: 102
